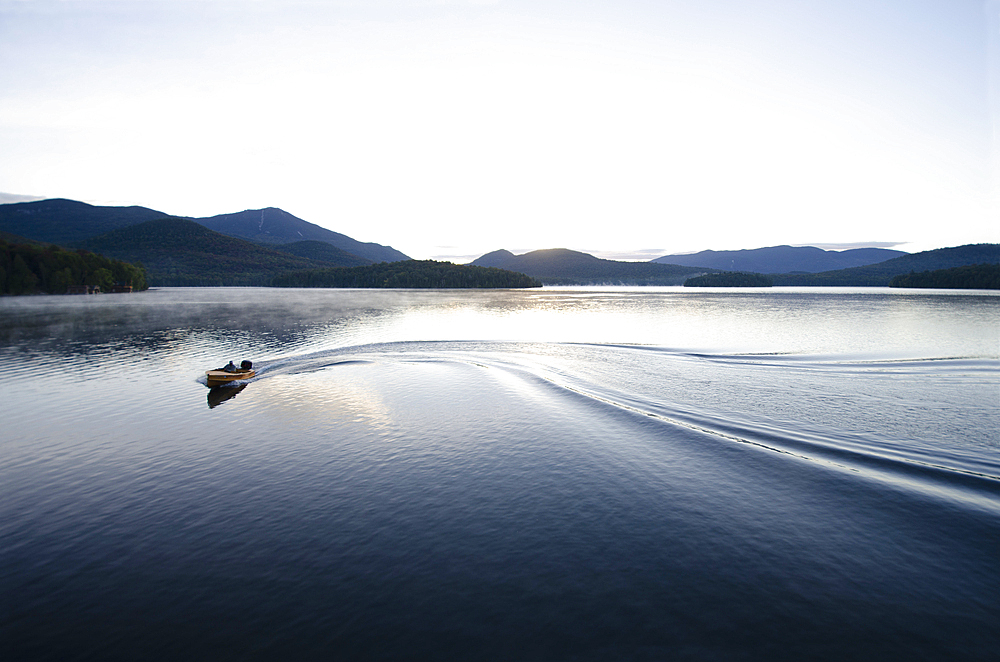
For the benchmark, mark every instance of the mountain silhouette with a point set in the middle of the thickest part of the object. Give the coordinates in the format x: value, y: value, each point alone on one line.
x: 68, y: 222
x: 880, y: 274
x: 276, y: 226
x: 180, y: 252
x: 782, y: 259
x: 561, y: 266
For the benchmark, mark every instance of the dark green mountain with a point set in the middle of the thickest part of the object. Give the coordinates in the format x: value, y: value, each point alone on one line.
x: 68, y: 222
x: 180, y: 252
x: 323, y: 252
x: 426, y: 274
x: 275, y: 226
x: 879, y: 275
x: 782, y: 259
x: 12, y: 238
x: 560, y: 266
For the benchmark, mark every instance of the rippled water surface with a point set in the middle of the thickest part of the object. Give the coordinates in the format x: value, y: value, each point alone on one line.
x: 555, y: 474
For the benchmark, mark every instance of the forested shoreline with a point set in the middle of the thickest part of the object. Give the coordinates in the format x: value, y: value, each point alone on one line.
x: 49, y: 269
x: 730, y: 279
x: 974, y: 277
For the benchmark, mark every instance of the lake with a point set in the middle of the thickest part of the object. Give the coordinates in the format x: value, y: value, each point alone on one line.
x: 548, y: 474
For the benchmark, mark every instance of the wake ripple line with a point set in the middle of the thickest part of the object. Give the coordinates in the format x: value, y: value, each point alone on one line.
x: 818, y: 451
x: 936, y: 473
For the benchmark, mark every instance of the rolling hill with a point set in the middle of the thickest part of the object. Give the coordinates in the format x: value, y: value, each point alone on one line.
x: 275, y: 226
x: 782, y: 259
x: 560, y: 266
x: 881, y: 274
x: 68, y: 222
x: 180, y: 252
x: 11, y: 238
x: 323, y: 252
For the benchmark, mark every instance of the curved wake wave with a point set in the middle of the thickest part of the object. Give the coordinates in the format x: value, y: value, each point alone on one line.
x: 817, y: 409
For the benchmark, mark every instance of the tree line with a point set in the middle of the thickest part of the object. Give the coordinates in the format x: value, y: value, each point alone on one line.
x: 32, y: 269
x: 730, y: 279
x: 428, y: 274
x: 973, y: 277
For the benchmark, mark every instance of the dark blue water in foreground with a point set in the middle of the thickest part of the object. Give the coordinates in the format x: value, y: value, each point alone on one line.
x: 547, y: 475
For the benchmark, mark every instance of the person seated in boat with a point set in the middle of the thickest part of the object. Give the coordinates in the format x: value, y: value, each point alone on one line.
x: 230, y: 367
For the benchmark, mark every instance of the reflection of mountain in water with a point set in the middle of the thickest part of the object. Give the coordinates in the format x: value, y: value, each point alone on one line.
x: 219, y: 394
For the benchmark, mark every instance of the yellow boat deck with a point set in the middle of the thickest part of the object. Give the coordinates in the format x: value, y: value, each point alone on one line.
x: 219, y: 377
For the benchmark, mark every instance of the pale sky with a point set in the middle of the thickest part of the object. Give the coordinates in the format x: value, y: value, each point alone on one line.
x: 451, y: 128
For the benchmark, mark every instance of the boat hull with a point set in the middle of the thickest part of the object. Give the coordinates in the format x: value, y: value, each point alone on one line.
x: 220, y: 377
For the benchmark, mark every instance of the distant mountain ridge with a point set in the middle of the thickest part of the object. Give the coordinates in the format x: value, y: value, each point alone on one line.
x: 276, y: 226
x: 180, y: 252
x: 68, y: 222
x: 561, y: 266
x: 880, y: 274
x: 565, y: 267
x: 184, y: 251
x: 782, y: 259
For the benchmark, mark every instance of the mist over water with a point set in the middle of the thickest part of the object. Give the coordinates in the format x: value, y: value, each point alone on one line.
x: 603, y: 473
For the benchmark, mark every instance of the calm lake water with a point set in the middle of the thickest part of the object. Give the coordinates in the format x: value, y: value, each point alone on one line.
x: 554, y: 474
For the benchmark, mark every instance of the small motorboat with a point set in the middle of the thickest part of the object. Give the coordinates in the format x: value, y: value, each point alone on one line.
x: 229, y: 374
x: 220, y: 377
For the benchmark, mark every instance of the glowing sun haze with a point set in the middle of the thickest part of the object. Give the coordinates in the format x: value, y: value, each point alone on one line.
x: 450, y: 129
